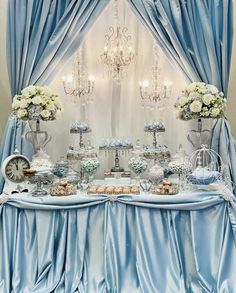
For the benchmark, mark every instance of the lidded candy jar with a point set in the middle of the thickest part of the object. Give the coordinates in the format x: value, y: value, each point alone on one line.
x: 180, y: 165
x: 156, y: 174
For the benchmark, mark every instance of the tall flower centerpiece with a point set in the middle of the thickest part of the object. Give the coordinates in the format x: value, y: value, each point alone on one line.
x: 36, y: 103
x: 200, y: 100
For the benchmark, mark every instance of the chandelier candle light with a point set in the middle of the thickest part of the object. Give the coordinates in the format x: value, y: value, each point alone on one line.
x: 118, y: 53
x: 78, y: 84
x: 156, y: 93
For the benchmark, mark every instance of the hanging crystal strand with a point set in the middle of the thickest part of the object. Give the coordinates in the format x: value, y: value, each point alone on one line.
x: 116, y: 13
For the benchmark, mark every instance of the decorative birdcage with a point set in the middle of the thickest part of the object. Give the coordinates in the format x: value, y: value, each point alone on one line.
x: 207, y: 166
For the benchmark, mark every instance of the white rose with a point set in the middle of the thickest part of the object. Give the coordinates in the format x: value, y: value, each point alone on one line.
x: 191, y: 88
x: 183, y: 100
x: 45, y: 113
x: 37, y: 100
x: 202, y: 90
x: 195, y: 95
x: 29, y: 91
x: 211, y: 88
x: 196, y: 106
x: 215, y: 112
x: 15, y: 104
x: 207, y: 99
x: 21, y: 113
x: 23, y: 104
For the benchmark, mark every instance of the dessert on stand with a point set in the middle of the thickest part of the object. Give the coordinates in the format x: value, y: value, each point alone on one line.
x: 155, y: 152
x: 82, y: 151
x: 117, y: 147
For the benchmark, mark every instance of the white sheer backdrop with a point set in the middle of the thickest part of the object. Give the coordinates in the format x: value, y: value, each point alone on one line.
x: 116, y: 111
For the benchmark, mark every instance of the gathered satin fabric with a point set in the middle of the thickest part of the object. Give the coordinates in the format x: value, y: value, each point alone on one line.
x: 197, y: 37
x: 41, y: 36
x: 159, y: 244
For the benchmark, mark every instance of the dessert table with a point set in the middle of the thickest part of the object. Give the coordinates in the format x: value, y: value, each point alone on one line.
x: 125, y: 243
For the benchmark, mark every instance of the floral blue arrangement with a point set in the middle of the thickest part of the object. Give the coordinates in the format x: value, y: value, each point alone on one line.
x: 200, y: 100
x: 36, y: 102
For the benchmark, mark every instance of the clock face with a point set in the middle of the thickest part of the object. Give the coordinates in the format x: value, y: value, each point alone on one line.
x: 14, y: 169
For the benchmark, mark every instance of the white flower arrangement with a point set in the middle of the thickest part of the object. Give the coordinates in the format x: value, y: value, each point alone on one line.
x: 200, y: 100
x: 90, y: 165
x: 138, y: 165
x: 36, y: 102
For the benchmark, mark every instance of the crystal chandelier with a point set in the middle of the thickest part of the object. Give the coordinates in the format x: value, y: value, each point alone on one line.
x: 157, y: 93
x: 78, y: 84
x: 118, y: 52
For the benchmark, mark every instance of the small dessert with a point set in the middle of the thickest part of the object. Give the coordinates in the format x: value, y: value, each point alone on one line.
x: 134, y: 189
x: 101, y: 190
x: 110, y: 189
x: 118, y: 190
x: 63, y: 183
x: 62, y: 189
x: 92, y: 190
x: 166, y: 187
x: 126, y: 189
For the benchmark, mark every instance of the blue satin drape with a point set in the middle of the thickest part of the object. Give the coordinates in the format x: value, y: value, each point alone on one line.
x: 41, y: 36
x: 89, y: 244
x: 197, y: 37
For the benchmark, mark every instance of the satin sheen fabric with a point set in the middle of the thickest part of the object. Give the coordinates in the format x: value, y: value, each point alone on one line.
x: 197, y: 36
x: 182, y: 243
x: 41, y: 36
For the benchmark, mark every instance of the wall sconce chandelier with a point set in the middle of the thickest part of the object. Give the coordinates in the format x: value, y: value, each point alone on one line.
x: 118, y: 52
x: 157, y: 93
x: 78, y: 84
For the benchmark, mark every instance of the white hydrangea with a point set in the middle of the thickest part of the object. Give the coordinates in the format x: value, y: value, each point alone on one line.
x: 207, y: 99
x: 196, y: 106
x: 215, y: 112
x: 50, y: 107
x: 212, y: 89
x: 29, y: 91
x: 15, y: 104
x: 37, y: 100
x: 21, y: 113
x: 45, y: 114
x: 23, y: 104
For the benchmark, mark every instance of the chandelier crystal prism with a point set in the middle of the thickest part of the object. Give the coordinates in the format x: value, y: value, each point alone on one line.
x: 157, y: 93
x: 78, y: 84
x: 118, y: 53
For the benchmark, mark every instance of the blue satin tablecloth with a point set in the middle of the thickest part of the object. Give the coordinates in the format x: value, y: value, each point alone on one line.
x: 128, y: 244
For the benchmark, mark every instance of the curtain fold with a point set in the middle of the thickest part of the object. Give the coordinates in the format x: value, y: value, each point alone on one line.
x: 41, y: 35
x: 197, y: 37
x: 155, y: 244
